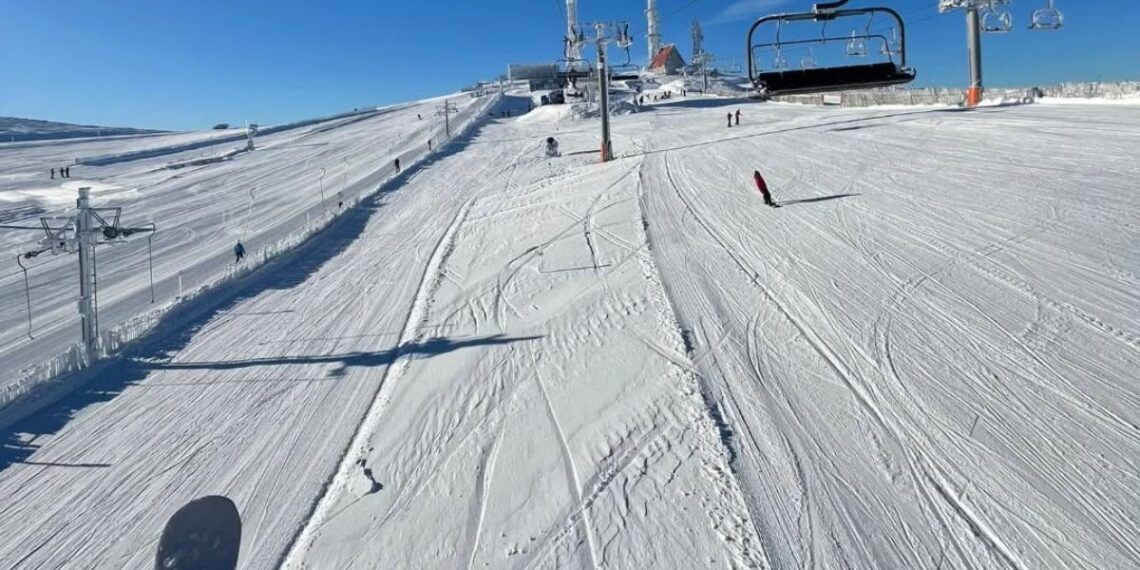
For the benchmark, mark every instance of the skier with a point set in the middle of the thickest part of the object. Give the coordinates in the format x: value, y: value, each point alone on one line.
x: 429, y: 145
x: 69, y: 172
x: 53, y: 174
x: 552, y: 148
x: 738, y: 117
x: 239, y: 252
x: 419, y: 117
x: 397, y: 166
x: 730, y: 120
x: 763, y: 187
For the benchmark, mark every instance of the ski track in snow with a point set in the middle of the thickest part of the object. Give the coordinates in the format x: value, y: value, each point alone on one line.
x: 925, y: 359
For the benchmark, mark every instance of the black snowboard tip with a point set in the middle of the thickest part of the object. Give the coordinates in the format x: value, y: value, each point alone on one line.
x: 203, y: 534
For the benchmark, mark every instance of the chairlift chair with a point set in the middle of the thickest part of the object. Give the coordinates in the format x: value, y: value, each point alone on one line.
x: 779, y: 80
x: 569, y: 71
x: 731, y: 68
x: 1047, y: 18
x: 627, y: 71
x: 995, y: 19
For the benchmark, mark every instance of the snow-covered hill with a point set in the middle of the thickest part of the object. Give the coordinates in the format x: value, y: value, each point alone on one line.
x: 14, y: 129
x: 268, y: 199
x: 925, y: 358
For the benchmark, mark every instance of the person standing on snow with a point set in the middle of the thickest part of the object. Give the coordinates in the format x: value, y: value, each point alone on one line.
x: 397, y: 166
x: 730, y: 120
x: 763, y: 188
x: 738, y: 117
x: 239, y: 252
x: 53, y: 174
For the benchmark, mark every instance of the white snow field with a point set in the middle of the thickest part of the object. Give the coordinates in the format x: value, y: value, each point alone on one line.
x: 926, y: 358
x: 262, y: 198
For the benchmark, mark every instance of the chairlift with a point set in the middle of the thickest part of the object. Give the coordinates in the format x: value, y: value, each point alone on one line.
x: 996, y: 20
x: 627, y: 71
x: 569, y: 71
x: 779, y: 80
x: 1047, y: 18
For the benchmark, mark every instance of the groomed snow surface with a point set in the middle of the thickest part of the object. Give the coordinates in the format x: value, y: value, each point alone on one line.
x: 926, y: 358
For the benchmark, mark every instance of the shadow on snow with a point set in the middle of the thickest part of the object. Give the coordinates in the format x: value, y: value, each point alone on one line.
x: 819, y: 199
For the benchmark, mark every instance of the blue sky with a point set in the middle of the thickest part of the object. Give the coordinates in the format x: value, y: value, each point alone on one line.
x: 185, y: 65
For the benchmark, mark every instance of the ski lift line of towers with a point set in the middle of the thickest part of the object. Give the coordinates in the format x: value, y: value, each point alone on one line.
x: 992, y: 16
x: 982, y: 16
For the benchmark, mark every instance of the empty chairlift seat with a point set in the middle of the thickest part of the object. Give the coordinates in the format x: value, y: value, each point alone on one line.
x: 777, y: 79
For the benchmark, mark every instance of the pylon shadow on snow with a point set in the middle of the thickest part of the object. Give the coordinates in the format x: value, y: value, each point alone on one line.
x: 428, y: 347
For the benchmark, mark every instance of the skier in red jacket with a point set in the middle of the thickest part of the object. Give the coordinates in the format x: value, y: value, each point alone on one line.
x: 763, y: 187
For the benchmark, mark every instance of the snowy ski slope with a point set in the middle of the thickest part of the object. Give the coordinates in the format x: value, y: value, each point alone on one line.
x: 260, y: 198
x: 927, y: 357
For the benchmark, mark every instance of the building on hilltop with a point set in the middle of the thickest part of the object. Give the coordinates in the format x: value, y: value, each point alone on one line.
x: 539, y: 76
x: 668, y: 61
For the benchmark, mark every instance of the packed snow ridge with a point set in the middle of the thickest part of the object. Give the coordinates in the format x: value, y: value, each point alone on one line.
x: 924, y: 358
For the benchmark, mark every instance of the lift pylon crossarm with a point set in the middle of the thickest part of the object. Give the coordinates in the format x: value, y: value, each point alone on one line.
x: 81, y: 234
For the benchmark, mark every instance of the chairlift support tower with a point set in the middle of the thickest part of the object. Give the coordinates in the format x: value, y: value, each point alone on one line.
x: 698, y: 39
x: 603, y: 34
x: 87, y: 317
x: 81, y: 233
x: 990, y: 16
x: 446, y: 110
x: 653, y: 29
x: 573, y: 33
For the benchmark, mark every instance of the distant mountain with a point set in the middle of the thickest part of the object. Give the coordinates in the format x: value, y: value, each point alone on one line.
x: 13, y: 129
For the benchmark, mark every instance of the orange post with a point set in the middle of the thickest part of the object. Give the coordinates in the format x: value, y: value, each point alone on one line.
x: 973, y: 96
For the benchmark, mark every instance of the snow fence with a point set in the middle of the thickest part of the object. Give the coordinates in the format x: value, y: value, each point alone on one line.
x: 40, y: 385
x: 947, y: 96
